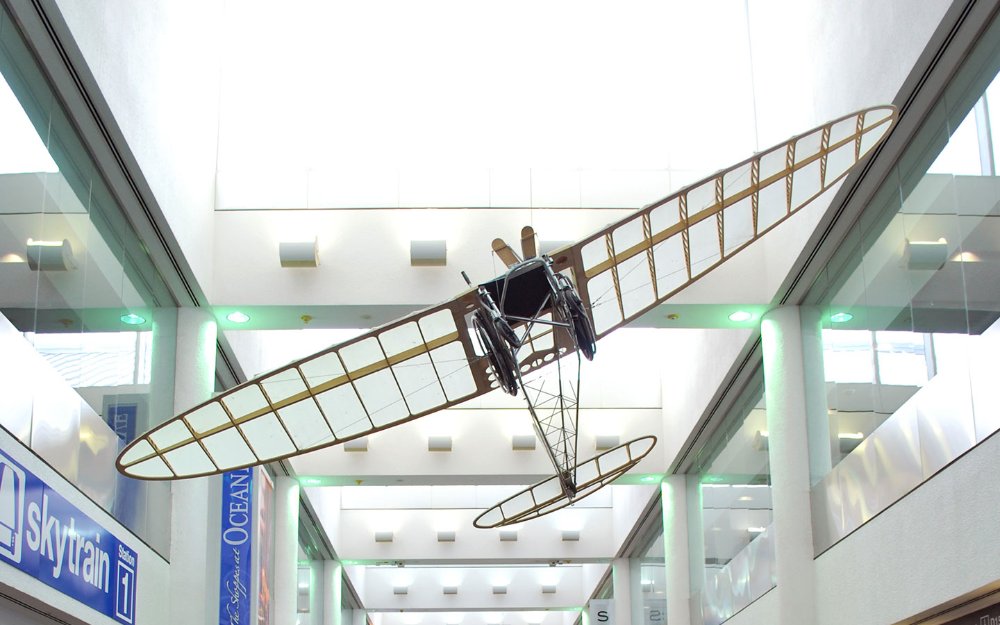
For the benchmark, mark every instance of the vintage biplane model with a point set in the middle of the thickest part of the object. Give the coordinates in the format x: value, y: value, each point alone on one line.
x: 543, y: 309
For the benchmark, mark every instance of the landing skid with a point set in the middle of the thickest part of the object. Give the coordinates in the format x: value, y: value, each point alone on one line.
x: 548, y: 495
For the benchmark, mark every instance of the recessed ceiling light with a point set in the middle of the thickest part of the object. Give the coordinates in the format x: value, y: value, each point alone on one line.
x: 238, y: 317
x: 740, y: 315
x: 966, y: 257
x: 841, y: 317
x: 857, y: 436
x: 133, y: 319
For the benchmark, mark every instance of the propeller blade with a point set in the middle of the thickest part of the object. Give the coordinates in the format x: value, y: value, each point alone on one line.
x: 507, y: 255
x: 529, y: 247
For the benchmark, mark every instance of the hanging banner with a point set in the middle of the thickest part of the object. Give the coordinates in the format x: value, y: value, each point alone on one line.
x: 50, y: 539
x: 265, y: 533
x: 235, y: 567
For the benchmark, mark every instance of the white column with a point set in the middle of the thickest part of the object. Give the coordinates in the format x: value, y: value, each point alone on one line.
x: 675, y: 546
x: 194, y: 538
x: 152, y: 500
x: 696, y: 548
x: 360, y: 617
x: 621, y: 586
x: 788, y: 444
x: 821, y: 439
x: 317, y: 574
x: 333, y: 574
x: 286, y: 549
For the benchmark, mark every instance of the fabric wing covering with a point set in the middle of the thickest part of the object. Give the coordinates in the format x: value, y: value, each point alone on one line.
x: 427, y: 361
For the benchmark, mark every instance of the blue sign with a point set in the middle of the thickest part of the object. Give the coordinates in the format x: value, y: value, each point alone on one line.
x: 122, y: 418
x: 51, y: 540
x: 235, y: 569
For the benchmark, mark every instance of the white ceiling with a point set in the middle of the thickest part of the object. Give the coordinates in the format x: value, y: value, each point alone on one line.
x: 477, y: 103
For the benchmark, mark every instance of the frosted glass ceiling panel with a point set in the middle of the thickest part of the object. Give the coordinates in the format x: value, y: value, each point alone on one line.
x: 433, y: 98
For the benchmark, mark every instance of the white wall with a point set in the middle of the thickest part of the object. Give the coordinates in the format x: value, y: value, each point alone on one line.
x: 932, y: 546
x: 475, y: 588
x: 814, y: 60
x: 481, y: 448
x: 690, y: 382
x: 158, y: 65
x: 364, y: 255
x: 416, y: 538
x: 627, y: 504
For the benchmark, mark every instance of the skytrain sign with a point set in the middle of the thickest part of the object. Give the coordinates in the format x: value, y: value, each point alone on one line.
x: 50, y: 539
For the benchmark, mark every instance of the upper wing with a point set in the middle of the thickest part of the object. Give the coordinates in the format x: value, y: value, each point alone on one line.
x: 635, y: 264
x: 406, y: 369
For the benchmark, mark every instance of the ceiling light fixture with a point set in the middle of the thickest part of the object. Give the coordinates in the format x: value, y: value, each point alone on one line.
x: 841, y: 317
x: 133, y: 319
x: 428, y: 253
x: 50, y: 255
x: 523, y: 442
x: 605, y: 442
x: 298, y: 253
x: 740, y: 316
x: 848, y: 441
x: 238, y: 317
x: 438, y: 443
x: 358, y: 444
x: 966, y: 257
x: 925, y: 255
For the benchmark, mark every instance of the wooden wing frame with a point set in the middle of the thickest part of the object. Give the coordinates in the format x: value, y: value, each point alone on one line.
x: 428, y: 361
x: 401, y: 371
x: 637, y: 263
x: 546, y: 496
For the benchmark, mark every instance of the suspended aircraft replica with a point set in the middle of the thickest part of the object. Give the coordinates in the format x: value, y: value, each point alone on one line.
x: 544, y: 309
